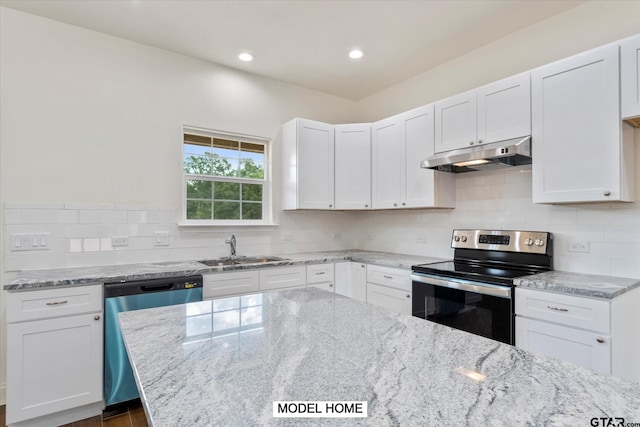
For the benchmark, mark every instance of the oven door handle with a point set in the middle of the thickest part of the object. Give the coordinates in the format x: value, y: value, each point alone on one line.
x: 463, y: 285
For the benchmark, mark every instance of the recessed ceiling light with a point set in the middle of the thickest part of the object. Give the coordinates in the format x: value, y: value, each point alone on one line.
x: 246, y: 57
x: 356, y: 54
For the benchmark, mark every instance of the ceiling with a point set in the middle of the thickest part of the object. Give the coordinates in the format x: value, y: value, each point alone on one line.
x: 306, y: 42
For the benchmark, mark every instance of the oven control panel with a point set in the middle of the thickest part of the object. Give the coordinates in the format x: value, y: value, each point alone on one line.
x: 537, y: 242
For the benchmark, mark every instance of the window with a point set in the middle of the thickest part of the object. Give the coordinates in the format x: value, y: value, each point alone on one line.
x: 225, y: 178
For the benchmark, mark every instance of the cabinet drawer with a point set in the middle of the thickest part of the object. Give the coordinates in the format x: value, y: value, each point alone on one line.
x: 586, y: 313
x: 320, y: 273
x: 276, y: 278
x: 386, y: 276
x: 48, y: 303
x: 235, y: 283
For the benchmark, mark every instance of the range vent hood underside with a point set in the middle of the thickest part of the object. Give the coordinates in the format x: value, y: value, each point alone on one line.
x: 497, y: 155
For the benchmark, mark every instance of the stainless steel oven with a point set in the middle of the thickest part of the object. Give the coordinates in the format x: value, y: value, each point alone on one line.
x: 474, y: 292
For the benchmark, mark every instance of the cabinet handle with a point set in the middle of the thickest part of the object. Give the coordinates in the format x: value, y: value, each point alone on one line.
x: 607, y: 193
x: 600, y: 340
x: 408, y: 295
x: 387, y: 277
x: 557, y: 309
x: 470, y: 142
x: 57, y: 302
x: 96, y: 317
x: 320, y: 273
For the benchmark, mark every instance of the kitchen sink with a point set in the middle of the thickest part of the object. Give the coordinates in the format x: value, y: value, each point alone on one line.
x: 241, y: 260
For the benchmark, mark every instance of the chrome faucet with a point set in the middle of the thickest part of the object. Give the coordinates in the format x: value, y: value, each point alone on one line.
x: 232, y: 243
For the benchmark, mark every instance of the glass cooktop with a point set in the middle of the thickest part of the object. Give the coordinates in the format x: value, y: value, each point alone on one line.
x: 480, y: 272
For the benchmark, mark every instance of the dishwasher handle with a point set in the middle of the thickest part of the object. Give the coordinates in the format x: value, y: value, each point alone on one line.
x: 144, y: 286
x: 156, y: 288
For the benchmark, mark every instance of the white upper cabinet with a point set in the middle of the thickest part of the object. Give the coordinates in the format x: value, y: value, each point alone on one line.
x: 399, y: 144
x: 630, y: 76
x: 353, y: 166
x: 308, y: 165
x: 581, y: 150
x: 495, y: 112
x: 456, y: 122
x: 386, y: 161
x: 504, y: 109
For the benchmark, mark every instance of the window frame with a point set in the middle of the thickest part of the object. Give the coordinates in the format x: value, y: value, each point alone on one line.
x: 267, y: 216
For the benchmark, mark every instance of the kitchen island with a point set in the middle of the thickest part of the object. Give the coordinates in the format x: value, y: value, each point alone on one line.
x: 225, y: 361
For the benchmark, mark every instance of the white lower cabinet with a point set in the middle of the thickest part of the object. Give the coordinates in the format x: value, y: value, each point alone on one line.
x: 389, y: 287
x: 54, y: 355
x: 216, y: 285
x: 282, y: 277
x: 351, y: 280
x: 321, y: 276
x: 584, y: 348
x: 600, y: 334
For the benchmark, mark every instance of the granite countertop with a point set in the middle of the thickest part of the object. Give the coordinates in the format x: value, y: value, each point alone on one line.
x: 588, y: 285
x: 197, y: 365
x: 36, y: 279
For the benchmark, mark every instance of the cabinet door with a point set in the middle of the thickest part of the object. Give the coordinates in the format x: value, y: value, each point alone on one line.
x: 418, y: 137
x: 576, y: 129
x: 351, y: 280
x: 55, y: 365
x: 456, y: 122
x: 630, y: 76
x: 394, y: 299
x: 576, y: 346
x: 386, y: 156
x: 353, y: 166
x: 232, y: 283
x: 504, y: 109
x: 287, y: 277
x: 315, y: 165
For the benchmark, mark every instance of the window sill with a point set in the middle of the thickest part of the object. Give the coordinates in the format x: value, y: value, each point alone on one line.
x: 257, y: 225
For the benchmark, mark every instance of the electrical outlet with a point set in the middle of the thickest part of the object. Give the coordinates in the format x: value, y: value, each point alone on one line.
x: 579, y: 246
x: 287, y: 236
x: 161, y: 238
x: 120, y: 241
x: 421, y: 238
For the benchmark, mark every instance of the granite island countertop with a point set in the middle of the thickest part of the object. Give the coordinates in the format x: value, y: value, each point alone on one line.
x: 37, y: 279
x: 199, y: 365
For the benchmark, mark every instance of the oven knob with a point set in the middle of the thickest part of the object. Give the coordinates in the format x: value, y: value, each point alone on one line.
x: 528, y: 242
x: 464, y: 238
x: 456, y: 238
x: 539, y: 242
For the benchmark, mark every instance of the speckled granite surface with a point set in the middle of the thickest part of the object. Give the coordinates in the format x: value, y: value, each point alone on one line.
x: 197, y: 367
x: 35, y: 279
x: 587, y: 285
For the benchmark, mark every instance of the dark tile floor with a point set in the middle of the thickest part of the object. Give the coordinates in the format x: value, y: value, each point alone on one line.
x: 132, y: 416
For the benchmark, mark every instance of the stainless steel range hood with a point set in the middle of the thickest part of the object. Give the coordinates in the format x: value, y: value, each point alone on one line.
x: 497, y: 155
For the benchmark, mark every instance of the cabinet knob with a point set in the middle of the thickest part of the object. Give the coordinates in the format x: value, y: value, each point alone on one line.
x: 470, y: 142
x: 408, y: 295
x: 479, y: 141
x: 395, y: 204
x: 96, y: 317
x: 600, y: 340
x: 404, y: 204
x: 331, y: 285
x: 362, y: 266
x: 607, y: 193
x: 330, y: 206
x: 366, y: 206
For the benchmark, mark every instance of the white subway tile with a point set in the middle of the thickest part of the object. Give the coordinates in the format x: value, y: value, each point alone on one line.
x: 75, y: 245
x: 23, y: 205
x: 49, y: 216
x: 102, y: 217
x: 13, y: 216
x: 105, y: 244
x: 89, y: 206
x: 91, y: 245
x: 79, y: 231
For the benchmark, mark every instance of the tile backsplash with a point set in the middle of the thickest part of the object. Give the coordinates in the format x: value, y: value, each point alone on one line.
x: 83, y: 235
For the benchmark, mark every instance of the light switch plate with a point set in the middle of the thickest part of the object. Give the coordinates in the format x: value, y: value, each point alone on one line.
x: 161, y: 238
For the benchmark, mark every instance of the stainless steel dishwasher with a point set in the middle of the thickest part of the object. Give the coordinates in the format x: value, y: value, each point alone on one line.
x: 119, y: 383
